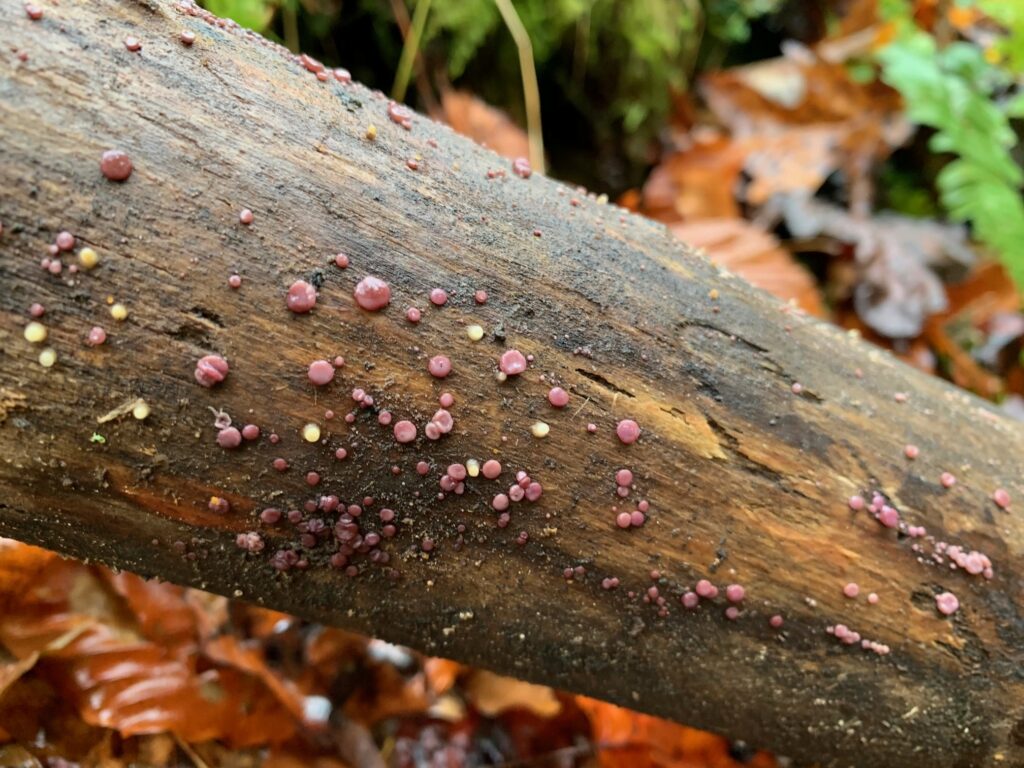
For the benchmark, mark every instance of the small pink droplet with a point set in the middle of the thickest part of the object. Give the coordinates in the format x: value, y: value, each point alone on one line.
x: 97, y: 336
x: 210, y: 370
x: 911, y: 451
x: 480, y: 297
x: 439, y: 366
x: 229, y: 437
x: 187, y: 37
x: 413, y: 315
x: 341, y: 260
x: 558, y: 397
x: 250, y: 431
x: 65, y: 241
x: 706, y: 589
x: 372, y: 294
x: 873, y: 598
x: 246, y: 216
x: 623, y: 520
x: 235, y: 281
x: 320, y: 372
x: 797, y: 388
x: 521, y: 167
x: 115, y: 165
x: 132, y: 44
x: 851, y: 590
x: 948, y: 479
x: 735, y: 593
x: 1001, y: 497
x: 775, y: 621
x: 947, y: 603
x: 624, y: 478
x: 447, y: 400
x: 512, y: 362
x: 500, y: 502
x: 856, y: 503
x: 301, y: 297
x: 628, y: 431
x: 405, y: 431
x: 438, y: 297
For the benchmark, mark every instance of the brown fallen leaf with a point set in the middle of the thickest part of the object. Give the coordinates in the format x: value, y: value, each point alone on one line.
x: 756, y: 256
x: 484, y: 124
x: 493, y: 694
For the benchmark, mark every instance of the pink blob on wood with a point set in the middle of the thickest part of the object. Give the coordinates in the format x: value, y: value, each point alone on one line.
x: 775, y: 621
x: 115, y: 165
x: 491, y: 469
x: 947, y: 479
x: 341, y: 261
x: 889, y: 517
x: 413, y: 315
x: 706, y: 589
x: 512, y: 362
x: 911, y: 451
x: 623, y: 477
x: 480, y: 297
x: 947, y: 603
x: 851, y: 590
x: 521, y: 167
x: 235, y: 281
x: 405, y: 431
x: 558, y: 397
x: 500, y: 502
x: 690, y: 600
x: 628, y: 431
x: 1001, y: 498
x: 210, y: 369
x: 97, y: 336
x: 320, y: 372
x: 447, y: 400
x: 65, y: 241
x: 735, y: 593
x: 637, y: 518
x: 133, y: 44
x: 229, y: 437
x: 372, y: 293
x: 187, y: 37
x: 246, y: 216
x: 301, y: 297
x: 438, y: 297
x: 250, y: 431
x: 623, y: 520
x: 856, y: 503
x: 439, y: 366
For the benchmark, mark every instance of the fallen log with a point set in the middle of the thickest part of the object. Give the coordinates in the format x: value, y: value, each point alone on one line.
x: 782, y: 462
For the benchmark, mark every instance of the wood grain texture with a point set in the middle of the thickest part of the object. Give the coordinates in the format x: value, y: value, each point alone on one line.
x: 747, y: 481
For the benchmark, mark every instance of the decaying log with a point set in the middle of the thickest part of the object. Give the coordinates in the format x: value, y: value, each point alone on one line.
x: 758, y: 425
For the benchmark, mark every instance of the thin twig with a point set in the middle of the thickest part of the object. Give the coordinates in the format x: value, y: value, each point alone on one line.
x: 531, y: 92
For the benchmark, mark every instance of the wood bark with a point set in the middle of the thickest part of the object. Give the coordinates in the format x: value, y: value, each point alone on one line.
x: 747, y: 480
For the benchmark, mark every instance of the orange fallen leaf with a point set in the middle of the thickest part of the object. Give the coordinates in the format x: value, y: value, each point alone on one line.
x: 484, y: 124
x: 494, y: 694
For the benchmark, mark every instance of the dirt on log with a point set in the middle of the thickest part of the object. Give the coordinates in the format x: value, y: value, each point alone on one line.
x: 757, y: 425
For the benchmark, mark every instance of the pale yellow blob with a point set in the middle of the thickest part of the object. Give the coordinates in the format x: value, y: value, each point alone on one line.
x: 141, y: 410
x: 371, y: 132
x: 540, y: 429
x: 119, y: 312
x: 475, y: 332
x: 48, y: 357
x: 311, y: 433
x: 35, y: 332
x: 472, y: 467
x: 88, y: 258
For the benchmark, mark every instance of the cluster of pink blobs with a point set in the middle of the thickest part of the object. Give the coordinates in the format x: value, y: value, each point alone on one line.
x: 525, y: 487
x: 400, y: 114
x: 210, y: 370
x: 250, y: 542
x: 848, y: 636
x: 441, y: 423
x: 947, y: 603
x: 975, y: 563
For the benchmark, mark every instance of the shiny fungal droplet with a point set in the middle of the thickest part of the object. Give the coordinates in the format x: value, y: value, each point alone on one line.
x: 119, y: 312
x: 116, y: 165
x: 851, y: 590
x: 210, y: 370
x: 311, y: 433
x: 33, y: 11
x: 187, y: 37
x: 474, y: 332
x: 235, y: 281
x: 35, y: 332
x: 438, y: 297
x: 540, y: 429
x: 413, y: 315
x: 48, y: 357
x: 229, y: 437
x: 88, y: 258
x: 301, y: 297
x: 96, y: 336
x: 133, y: 44
x: 735, y: 593
x: 250, y: 431
x: 372, y: 294
x: 776, y: 621
x: 37, y: 310
x: 480, y: 297
x: 947, y: 479
x: 439, y: 366
x: 1001, y: 498
x: 512, y: 362
x: 245, y: 216
x: 521, y: 167
x: 341, y: 260
x: 558, y: 397
x: 141, y: 410
x: 947, y: 603
x: 405, y: 431
x: 65, y: 241
x: 911, y: 451
x: 628, y: 431
x: 320, y: 372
